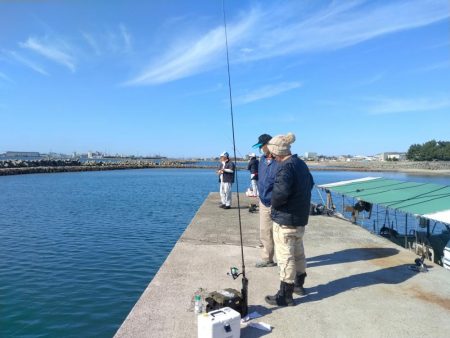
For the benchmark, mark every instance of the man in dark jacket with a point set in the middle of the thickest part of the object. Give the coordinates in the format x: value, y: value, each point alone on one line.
x: 253, y: 164
x: 226, y: 177
x: 291, y: 199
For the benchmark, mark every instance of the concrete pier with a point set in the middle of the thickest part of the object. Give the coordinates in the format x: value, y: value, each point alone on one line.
x: 358, y: 284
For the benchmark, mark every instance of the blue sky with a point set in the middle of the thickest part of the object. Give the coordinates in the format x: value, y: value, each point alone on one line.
x: 150, y: 77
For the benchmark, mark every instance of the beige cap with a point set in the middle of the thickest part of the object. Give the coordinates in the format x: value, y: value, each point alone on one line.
x: 281, y: 144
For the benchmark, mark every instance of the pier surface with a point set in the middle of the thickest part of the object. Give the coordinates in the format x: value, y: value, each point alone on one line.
x: 358, y: 284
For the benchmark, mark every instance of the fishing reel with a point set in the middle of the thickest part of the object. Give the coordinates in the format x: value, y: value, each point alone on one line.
x: 230, y: 297
x: 234, y: 272
x: 419, y: 265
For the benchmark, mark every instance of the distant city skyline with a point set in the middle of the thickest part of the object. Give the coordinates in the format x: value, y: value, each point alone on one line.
x: 98, y: 154
x: 359, y: 78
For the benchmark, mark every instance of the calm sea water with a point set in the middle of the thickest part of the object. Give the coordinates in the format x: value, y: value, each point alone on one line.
x: 78, y: 249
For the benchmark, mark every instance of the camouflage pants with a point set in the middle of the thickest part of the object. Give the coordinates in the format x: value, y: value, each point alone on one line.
x: 289, y: 251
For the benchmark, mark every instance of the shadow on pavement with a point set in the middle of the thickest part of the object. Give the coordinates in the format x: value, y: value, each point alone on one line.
x: 351, y: 255
x: 392, y: 275
x: 262, y: 310
x: 249, y: 331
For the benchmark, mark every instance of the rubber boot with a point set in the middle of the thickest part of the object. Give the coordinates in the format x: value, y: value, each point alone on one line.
x: 299, y: 281
x: 283, y: 297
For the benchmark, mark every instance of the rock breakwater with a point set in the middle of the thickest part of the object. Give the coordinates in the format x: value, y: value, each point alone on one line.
x: 18, y: 167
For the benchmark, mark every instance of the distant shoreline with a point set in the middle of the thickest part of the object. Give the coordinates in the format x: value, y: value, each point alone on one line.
x: 84, y: 168
x: 413, y: 168
x: 399, y: 170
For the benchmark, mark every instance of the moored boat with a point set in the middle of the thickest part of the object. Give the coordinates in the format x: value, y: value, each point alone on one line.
x: 411, y: 214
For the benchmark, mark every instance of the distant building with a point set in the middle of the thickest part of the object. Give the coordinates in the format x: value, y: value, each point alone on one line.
x: 311, y: 156
x: 95, y: 154
x: 344, y: 158
x: 22, y: 154
x: 358, y: 158
x: 355, y: 158
x: 392, y: 156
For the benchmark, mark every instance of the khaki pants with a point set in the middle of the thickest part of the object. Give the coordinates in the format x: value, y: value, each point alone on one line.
x: 289, y: 251
x: 266, y: 233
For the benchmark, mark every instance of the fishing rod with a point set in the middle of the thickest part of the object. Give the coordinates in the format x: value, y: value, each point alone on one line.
x: 234, y: 272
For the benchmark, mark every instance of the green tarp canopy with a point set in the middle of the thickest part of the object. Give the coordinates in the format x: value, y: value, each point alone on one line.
x: 427, y: 200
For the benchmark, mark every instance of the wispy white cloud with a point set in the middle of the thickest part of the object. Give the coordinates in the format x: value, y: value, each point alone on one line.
x: 290, y: 118
x: 173, y: 21
x: 269, y: 32
x: 193, y: 56
x: 5, y: 77
x: 115, y: 40
x: 26, y: 62
x: 401, y: 105
x: 57, y: 51
x: 344, y: 24
x: 126, y: 37
x: 209, y: 90
x: 440, y: 44
x: 92, y: 42
x: 435, y: 66
x: 266, y: 92
x: 371, y: 80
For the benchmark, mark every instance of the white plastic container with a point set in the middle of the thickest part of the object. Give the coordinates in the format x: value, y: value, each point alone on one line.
x: 222, y: 323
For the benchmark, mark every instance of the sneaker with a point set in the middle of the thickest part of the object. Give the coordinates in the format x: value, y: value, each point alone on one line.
x: 265, y: 264
x: 221, y: 205
x: 252, y: 208
x: 227, y: 207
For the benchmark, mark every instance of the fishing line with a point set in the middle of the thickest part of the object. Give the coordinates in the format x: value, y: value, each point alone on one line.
x: 244, y: 279
x: 237, y: 149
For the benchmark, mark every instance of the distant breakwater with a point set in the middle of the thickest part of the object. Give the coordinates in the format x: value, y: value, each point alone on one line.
x: 19, y: 167
x: 424, y: 167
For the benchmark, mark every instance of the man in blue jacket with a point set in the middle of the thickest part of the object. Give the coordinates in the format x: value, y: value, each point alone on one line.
x: 266, y: 171
x: 291, y: 199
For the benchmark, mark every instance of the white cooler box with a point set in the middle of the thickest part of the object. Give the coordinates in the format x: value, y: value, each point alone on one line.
x: 222, y: 323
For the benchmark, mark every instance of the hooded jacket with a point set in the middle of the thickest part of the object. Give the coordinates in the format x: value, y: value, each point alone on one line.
x: 291, y: 194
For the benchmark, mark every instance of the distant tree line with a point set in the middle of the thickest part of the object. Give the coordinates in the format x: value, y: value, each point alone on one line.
x: 429, y: 151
